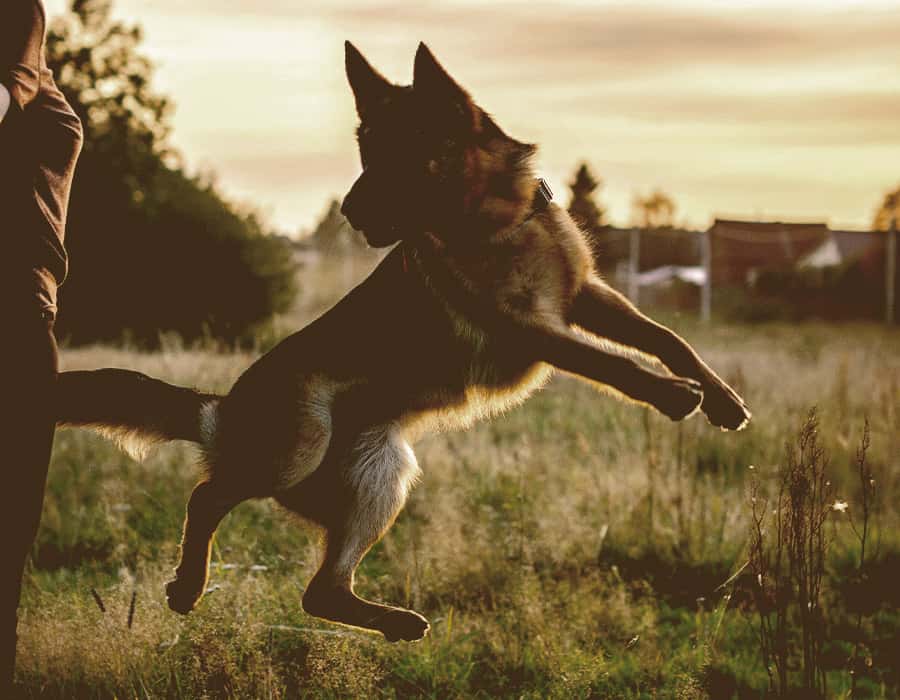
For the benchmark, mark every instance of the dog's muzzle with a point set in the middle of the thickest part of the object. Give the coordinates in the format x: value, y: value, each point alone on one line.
x: 370, y: 213
x: 349, y: 208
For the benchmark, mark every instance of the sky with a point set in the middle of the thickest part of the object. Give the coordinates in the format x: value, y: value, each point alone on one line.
x: 765, y: 110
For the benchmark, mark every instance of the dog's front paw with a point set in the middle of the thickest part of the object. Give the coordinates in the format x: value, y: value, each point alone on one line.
x: 182, y: 596
x: 402, y: 624
x: 679, y: 397
x: 724, y: 408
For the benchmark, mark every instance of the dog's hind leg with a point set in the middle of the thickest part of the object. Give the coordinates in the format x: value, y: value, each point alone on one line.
x: 375, y: 485
x: 208, y: 504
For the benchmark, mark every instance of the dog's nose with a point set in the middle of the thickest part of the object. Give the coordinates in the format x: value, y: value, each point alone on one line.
x: 347, y: 206
x: 347, y: 212
x: 350, y: 207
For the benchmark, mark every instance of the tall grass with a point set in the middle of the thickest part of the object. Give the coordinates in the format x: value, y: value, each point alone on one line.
x: 575, y: 547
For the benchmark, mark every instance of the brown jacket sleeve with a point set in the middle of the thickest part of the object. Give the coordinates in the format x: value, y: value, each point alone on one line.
x: 21, y: 43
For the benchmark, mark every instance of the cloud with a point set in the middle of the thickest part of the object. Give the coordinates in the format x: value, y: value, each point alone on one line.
x: 631, y: 37
x: 721, y: 103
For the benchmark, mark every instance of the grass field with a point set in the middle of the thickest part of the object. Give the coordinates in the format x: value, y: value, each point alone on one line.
x: 573, y: 548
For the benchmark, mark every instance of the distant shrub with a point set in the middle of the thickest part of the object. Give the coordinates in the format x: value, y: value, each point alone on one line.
x: 839, y: 292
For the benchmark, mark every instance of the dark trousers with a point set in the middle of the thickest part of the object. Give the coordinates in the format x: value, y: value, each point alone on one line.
x: 28, y: 369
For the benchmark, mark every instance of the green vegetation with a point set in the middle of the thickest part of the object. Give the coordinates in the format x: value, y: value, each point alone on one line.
x: 154, y: 250
x: 888, y: 212
x: 583, y: 205
x: 574, y: 548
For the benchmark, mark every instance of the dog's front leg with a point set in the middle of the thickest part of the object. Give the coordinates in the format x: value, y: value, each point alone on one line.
x: 676, y: 397
x: 601, y: 310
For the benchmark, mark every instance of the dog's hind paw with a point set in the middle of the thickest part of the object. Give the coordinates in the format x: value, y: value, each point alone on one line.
x: 182, y: 598
x: 402, y: 624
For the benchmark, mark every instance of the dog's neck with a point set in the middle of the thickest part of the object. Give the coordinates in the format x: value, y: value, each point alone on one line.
x: 503, y: 193
x: 461, y: 243
x: 502, y: 185
x: 496, y: 216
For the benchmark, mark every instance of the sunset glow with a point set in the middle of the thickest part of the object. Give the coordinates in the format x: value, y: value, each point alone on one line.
x: 743, y: 109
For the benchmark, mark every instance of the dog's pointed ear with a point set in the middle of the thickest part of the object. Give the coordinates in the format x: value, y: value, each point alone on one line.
x: 430, y: 78
x: 368, y: 85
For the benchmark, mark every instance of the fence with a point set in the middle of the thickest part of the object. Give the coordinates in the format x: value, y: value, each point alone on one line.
x: 732, y: 252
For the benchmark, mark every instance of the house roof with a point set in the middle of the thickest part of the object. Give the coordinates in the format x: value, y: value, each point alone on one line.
x: 826, y: 255
x: 857, y: 244
x: 739, y: 247
x: 767, y: 231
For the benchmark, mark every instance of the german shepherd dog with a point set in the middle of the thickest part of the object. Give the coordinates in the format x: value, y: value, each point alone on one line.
x: 485, y: 293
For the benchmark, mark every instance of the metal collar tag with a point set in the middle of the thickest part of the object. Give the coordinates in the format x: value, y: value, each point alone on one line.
x: 542, y: 196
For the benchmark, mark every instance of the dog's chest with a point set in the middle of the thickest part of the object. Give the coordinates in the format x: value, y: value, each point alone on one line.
x: 484, y: 378
x: 489, y: 363
x: 520, y: 284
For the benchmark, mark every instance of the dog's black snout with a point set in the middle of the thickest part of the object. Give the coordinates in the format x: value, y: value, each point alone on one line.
x: 349, y: 207
x: 349, y: 213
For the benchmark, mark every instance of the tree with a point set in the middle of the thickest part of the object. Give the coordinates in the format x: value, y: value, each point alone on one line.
x: 889, y: 209
x: 582, y: 205
x: 152, y: 248
x: 657, y: 210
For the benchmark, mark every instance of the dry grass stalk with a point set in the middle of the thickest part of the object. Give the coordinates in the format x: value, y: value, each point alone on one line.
x: 862, y: 531
x: 788, y: 562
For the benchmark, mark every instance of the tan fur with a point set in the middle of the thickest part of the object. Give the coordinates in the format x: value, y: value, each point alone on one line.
x: 313, y: 433
x: 382, y: 473
x: 137, y: 444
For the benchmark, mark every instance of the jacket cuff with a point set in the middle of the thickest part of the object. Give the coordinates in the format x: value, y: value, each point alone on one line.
x: 21, y: 91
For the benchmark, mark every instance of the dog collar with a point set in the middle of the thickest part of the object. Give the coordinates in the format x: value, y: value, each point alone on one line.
x: 543, y: 195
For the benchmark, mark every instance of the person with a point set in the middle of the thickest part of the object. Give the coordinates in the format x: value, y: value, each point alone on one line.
x: 40, y: 140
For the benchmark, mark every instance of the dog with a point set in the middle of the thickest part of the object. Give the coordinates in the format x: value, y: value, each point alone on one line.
x: 489, y: 288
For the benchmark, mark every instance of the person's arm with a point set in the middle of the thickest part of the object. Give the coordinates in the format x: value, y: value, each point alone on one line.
x: 21, y: 43
x: 4, y: 101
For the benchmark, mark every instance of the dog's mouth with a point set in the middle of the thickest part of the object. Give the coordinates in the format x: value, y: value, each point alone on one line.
x: 377, y: 234
x: 382, y: 235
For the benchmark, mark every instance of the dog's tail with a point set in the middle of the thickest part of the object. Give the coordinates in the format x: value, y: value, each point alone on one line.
x: 133, y: 410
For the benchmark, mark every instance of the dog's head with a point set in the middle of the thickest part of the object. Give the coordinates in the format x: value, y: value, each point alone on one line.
x: 432, y: 160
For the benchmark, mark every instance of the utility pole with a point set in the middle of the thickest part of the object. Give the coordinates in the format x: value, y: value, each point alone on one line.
x: 706, y: 291
x: 634, y: 254
x: 890, y: 271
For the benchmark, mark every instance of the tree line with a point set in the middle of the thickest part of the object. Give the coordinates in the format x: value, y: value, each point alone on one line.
x: 153, y: 249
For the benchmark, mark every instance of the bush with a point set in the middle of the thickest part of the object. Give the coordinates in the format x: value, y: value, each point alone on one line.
x: 183, y: 261
x: 841, y: 292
